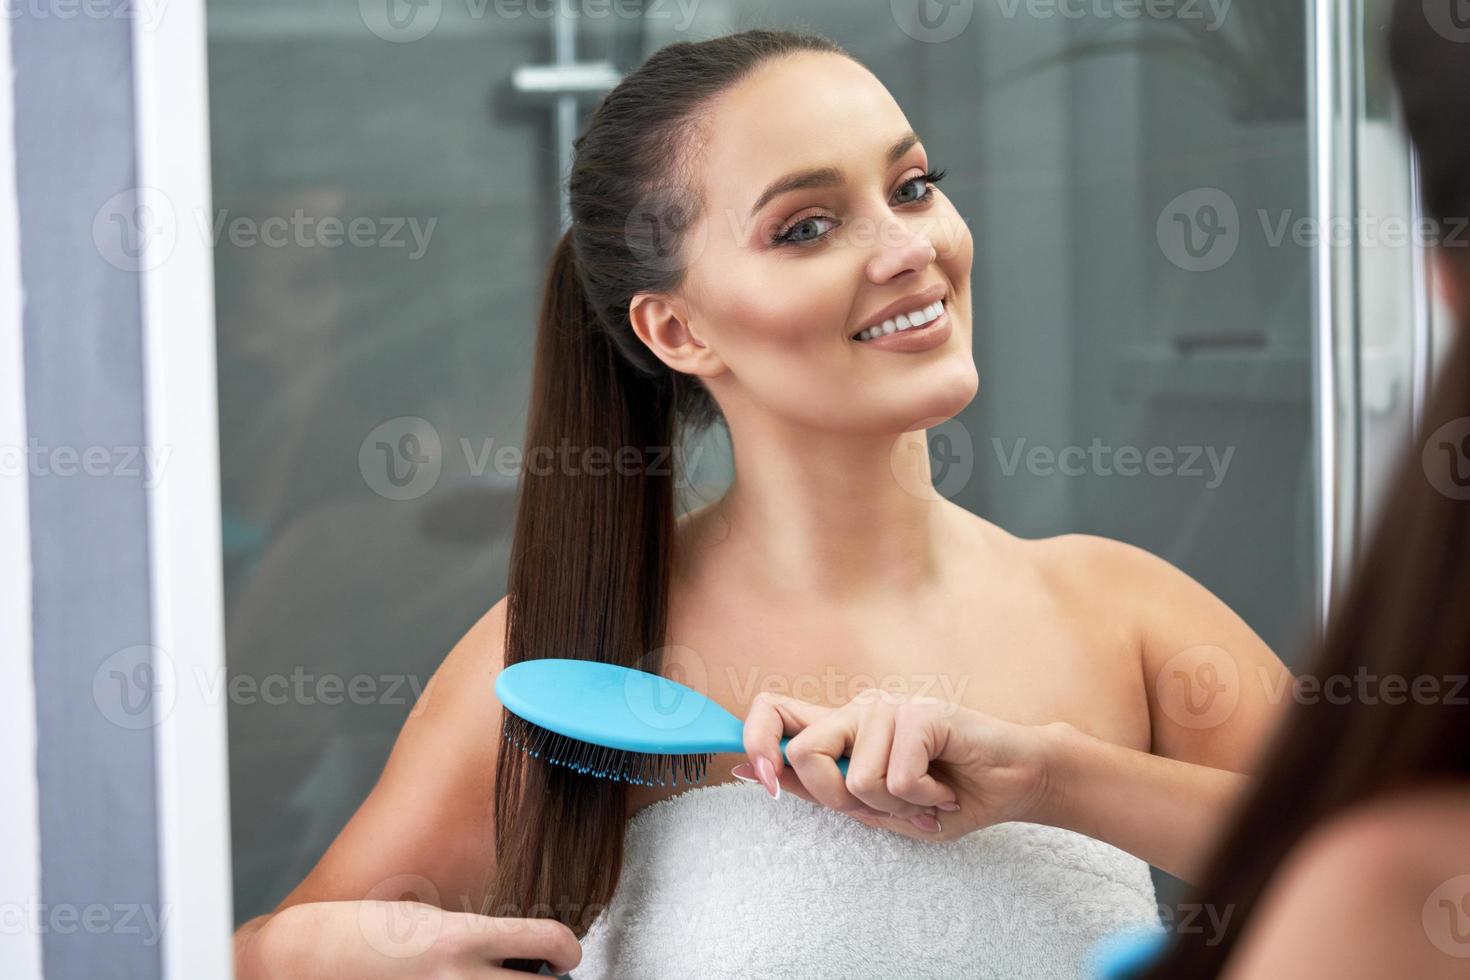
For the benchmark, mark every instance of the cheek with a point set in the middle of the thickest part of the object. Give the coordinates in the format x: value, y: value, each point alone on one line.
x: 957, y: 247
x: 786, y: 317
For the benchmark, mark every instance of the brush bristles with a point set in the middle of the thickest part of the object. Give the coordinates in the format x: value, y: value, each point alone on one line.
x: 639, y: 768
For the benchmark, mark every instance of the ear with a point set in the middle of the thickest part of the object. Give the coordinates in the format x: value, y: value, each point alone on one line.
x: 662, y: 323
x: 1450, y: 274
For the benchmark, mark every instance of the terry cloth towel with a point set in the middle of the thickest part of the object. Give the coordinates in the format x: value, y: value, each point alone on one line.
x: 723, y: 882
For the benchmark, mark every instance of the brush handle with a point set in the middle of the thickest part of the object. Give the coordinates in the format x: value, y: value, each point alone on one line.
x: 841, y: 760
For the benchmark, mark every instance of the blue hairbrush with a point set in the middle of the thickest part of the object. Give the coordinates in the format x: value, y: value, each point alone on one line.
x: 616, y: 722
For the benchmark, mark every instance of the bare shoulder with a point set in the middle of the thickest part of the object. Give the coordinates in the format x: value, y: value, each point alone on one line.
x: 1095, y: 562
x: 1391, y: 873
x: 1410, y: 834
x: 1107, y: 580
x: 1214, y: 686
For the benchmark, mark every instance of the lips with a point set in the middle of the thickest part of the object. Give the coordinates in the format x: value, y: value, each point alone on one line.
x: 898, y: 315
x: 915, y: 340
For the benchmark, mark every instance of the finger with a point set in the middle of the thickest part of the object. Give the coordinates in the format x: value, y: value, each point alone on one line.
x: 918, y: 738
x: 771, y: 717
x: 528, y: 939
x: 814, y: 752
x: 867, y: 769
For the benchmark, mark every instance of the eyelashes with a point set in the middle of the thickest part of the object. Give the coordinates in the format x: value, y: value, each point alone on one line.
x: 783, y: 237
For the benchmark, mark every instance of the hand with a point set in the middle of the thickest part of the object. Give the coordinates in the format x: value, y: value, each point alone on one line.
x: 919, y: 766
x: 385, y: 940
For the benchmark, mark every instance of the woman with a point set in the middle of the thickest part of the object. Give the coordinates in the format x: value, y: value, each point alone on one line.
x: 745, y: 210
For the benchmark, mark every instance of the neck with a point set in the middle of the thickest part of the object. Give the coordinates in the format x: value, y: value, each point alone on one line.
x: 832, y: 516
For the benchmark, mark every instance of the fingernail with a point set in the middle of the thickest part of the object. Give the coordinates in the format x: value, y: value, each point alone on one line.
x: 948, y: 805
x: 744, y: 773
x: 767, y: 774
x: 927, y: 823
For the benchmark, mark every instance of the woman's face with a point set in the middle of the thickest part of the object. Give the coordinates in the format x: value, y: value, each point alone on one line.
x: 770, y: 322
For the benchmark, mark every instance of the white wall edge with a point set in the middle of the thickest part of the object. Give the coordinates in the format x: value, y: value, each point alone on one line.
x: 172, y: 106
x: 20, y: 817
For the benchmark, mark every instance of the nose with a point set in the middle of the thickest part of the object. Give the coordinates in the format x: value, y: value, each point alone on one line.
x: 901, y: 248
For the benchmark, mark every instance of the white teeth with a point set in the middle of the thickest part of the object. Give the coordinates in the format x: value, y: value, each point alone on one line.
x: 904, y: 321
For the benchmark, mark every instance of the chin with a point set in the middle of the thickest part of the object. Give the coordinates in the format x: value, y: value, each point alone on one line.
x: 946, y: 395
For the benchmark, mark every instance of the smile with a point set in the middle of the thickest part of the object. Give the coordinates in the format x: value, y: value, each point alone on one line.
x: 915, y: 320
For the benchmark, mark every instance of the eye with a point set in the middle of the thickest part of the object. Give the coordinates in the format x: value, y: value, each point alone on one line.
x: 786, y: 237
x: 930, y: 178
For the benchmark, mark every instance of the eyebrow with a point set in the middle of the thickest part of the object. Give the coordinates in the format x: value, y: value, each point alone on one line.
x: 827, y: 176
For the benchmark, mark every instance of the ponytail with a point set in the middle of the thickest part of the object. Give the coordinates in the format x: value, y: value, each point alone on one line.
x: 588, y: 579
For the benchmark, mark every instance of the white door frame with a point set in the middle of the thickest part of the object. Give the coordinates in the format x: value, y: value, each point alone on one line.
x: 172, y: 119
x: 20, y: 830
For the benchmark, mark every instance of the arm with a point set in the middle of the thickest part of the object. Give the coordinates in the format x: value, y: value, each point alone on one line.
x: 1213, y: 690
x: 1162, y: 810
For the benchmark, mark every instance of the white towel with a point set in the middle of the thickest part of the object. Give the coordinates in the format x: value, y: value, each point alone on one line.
x: 723, y: 882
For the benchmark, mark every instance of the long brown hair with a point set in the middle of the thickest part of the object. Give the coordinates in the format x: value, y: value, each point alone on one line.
x: 591, y: 555
x: 1406, y: 610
